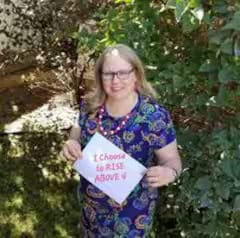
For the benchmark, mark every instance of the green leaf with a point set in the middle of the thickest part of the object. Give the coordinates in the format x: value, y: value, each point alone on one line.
x: 205, y: 201
x: 236, y: 217
x: 236, y: 206
x: 189, y: 23
x: 226, y: 166
x: 221, y: 7
x: 225, y: 75
x: 207, y: 67
x: 217, y: 37
x: 234, y: 24
x: 227, y: 46
x: 223, y: 191
x: 198, y: 13
x: 171, y: 4
x: 222, y: 95
x: 203, y: 183
x: 177, y: 82
x: 181, y: 7
x: 124, y: 1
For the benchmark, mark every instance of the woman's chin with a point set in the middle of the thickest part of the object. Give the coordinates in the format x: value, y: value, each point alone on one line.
x: 116, y: 95
x: 120, y: 94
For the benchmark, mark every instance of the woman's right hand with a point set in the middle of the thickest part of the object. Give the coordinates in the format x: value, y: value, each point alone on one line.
x: 71, y: 150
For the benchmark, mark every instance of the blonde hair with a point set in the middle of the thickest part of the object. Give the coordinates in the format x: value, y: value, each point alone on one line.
x: 97, y: 97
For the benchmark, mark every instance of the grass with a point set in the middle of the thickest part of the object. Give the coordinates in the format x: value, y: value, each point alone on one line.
x: 37, y: 188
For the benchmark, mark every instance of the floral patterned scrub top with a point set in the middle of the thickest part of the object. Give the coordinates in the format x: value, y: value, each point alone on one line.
x: 149, y: 128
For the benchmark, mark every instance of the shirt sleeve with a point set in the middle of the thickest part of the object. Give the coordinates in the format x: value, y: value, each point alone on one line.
x: 161, y: 128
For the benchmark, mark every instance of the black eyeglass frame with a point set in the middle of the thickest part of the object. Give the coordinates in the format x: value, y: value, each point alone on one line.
x: 121, y: 74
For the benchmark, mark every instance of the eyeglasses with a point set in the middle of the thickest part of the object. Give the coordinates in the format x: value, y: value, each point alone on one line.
x: 121, y: 74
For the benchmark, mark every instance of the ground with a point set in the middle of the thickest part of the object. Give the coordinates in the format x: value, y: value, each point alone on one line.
x: 39, y: 98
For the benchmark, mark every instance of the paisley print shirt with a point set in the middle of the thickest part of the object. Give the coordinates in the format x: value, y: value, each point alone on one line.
x: 149, y: 128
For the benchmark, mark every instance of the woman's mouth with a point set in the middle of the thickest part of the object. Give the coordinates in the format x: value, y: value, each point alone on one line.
x: 116, y: 89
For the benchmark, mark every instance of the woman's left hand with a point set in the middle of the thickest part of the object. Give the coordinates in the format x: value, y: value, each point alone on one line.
x: 158, y: 176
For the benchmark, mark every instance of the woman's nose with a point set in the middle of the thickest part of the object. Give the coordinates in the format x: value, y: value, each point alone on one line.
x: 115, y: 78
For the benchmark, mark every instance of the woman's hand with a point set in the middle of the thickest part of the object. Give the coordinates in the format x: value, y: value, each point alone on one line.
x: 158, y: 176
x: 71, y: 150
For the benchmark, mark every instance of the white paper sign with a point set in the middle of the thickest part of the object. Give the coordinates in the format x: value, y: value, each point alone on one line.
x: 109, y: 168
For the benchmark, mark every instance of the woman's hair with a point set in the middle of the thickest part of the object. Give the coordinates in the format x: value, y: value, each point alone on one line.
x: 97, y: 97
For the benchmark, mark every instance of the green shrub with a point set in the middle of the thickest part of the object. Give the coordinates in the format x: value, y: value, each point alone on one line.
x: 187, y: 48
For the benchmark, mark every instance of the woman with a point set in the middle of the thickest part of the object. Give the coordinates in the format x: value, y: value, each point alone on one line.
x: 123, y: 109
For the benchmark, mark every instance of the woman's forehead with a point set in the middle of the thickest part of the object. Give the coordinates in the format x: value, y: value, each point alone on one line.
x: 113, y: 60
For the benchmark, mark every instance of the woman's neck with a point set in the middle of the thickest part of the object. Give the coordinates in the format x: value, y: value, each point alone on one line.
x: 121, y: 107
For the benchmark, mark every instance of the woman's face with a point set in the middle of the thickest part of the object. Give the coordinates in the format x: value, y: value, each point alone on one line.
x: 118, y: 77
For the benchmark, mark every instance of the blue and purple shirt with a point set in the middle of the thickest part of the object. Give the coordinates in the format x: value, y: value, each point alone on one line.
x: 148, y: 129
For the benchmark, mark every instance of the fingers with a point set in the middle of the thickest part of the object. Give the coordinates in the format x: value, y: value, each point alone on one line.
x: 71, y: 150
x: 152, y: 177
x: 155, y: 185
x: 74, y: 149
x: 154, y: 171
x: 153, y: 181
x: 67, y: 154
x: 156, y: 177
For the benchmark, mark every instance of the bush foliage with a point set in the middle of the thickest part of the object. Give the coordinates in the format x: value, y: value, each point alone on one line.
x: 190, y: 50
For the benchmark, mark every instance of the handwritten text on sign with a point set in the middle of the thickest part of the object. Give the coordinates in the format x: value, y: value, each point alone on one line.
x: 107, y: 163
x: 109, y: 168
